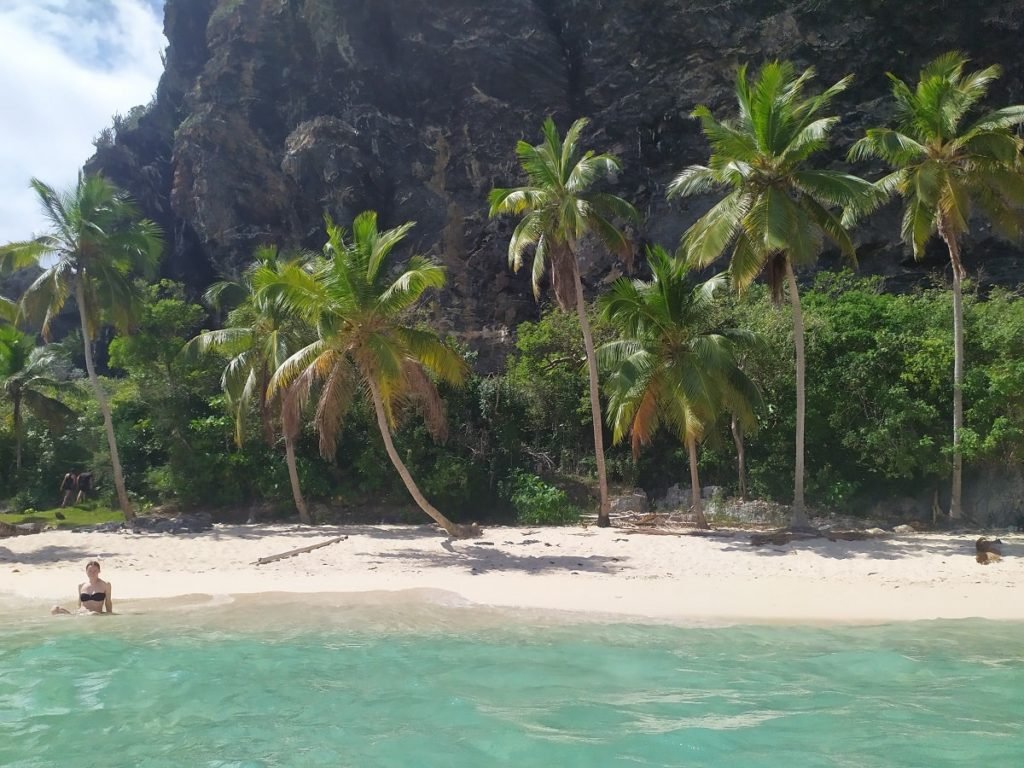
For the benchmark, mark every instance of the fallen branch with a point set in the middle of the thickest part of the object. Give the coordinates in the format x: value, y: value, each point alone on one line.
x: 299, y: 551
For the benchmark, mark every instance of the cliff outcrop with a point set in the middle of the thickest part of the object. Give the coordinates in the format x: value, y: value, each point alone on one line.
x: 272, y: 112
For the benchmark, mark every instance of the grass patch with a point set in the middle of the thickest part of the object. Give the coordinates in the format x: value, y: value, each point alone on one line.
x: 87, y: 514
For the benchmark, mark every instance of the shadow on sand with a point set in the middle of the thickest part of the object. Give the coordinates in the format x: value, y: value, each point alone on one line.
x: 52, y: 554
x: 890, y: 547
x: 480, y: 557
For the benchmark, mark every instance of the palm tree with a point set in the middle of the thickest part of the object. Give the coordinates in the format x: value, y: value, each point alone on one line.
x: 258, y: 337
x: 671, y: 366
x: 364, y: 345
x: 559, y: 208
x: 96, y: 246
x: 29, y: 373
x: 944, y: 167
x: 778, y: 209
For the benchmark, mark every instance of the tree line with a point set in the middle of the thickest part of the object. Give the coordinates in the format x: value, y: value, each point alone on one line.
x: 332, y: 339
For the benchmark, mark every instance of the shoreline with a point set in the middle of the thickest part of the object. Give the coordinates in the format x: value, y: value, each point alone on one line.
x: 608, y: 574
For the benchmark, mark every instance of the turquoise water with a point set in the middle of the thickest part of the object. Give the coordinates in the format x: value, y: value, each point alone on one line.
x: 412, y: 684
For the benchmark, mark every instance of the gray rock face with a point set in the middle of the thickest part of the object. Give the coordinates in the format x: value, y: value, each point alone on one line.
x: 634, y: 503
x: 272, y: 112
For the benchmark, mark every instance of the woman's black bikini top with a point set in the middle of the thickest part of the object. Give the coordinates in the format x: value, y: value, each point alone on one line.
x: 94, y: 596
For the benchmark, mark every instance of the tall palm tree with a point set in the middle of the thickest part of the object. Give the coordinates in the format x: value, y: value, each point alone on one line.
x: 96, y: 247
x: 29, y: 374
x: 360, y: 313
x: 944, y: 168
x: 259, y: 335
x: 559, y: 207
x: 778, y: 209
x: 671, y: 366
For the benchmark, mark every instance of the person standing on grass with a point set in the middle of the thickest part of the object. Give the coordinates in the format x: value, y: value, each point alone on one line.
x: 84, y: 485
x: 68, y: 486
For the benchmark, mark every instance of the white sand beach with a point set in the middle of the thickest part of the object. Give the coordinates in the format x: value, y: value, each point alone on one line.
x: 600, y: 571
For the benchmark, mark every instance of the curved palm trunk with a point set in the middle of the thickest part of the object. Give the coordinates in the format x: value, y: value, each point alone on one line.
x: 293, y: 476
x: 955, y: 508
x: 101, y: 399
x: 453, y: 530
x: 603, y: 518
x: 741, y: 455
x: 799, y: 519
x: 698, y: 507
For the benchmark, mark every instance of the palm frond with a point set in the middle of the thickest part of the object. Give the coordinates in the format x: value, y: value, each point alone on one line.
x: 419, y: 276
x: 425, y: 348
x: 295, y: 365
x: 515, y: 201
x: 421, y: 390
x: 707, y: 239
x: 528, y: 233
x: 47, y: 409
x: 694, y: 180
x: 335, y: 401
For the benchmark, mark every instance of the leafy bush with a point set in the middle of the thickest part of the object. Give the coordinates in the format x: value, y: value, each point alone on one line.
x: 537, y: 503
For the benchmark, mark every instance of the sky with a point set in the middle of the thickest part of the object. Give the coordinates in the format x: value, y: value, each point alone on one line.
x: 66, y: 66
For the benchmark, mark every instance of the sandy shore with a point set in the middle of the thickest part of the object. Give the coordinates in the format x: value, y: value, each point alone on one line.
x: 605, y: 571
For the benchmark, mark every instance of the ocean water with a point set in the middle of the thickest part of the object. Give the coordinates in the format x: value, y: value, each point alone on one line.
x: 418, y: 682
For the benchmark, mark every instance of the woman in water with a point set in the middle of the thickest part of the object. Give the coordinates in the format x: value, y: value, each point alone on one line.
x: 93, y: 595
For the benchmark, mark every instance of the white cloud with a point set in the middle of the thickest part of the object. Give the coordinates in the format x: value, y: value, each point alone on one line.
x: 66, y: 66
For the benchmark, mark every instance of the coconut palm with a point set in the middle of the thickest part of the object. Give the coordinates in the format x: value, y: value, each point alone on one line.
x: 258, y: 337
x: 365, y: 346
x: 29, y: 374
x: 945, y: 168
x: 671, y: 366
x: 778, y: 209
x: 558, y: 208
x: 96, y: 247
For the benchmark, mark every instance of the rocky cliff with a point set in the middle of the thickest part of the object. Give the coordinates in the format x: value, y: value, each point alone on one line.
x: 271, y: 112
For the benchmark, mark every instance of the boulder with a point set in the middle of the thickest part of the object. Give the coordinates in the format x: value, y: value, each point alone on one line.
x: 676, y: 497
x: 633, y: 503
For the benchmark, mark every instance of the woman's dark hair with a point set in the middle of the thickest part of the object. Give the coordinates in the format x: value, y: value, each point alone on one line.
x: 93, y: 562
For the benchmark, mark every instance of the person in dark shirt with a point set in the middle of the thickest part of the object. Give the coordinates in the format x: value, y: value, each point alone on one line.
x: 68, y: 485
x: 84, y: 485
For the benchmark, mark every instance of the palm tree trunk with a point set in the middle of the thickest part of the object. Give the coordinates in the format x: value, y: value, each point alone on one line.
x: 799, y: 519
x: 698, y: 507
x: 741, y: 455
x: 101, y: 399
x: 603, y: 517
x: 452, y: 529
x: 955, y: 508
x: 16, y: 415
x: 293, y: 476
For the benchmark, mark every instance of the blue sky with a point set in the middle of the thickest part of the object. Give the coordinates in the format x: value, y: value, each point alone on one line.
x: 66, y: 66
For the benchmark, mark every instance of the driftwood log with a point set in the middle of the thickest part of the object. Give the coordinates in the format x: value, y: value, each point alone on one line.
x: 299, y: 551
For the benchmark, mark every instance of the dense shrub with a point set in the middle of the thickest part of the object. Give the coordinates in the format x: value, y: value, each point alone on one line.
x: 538, y: 503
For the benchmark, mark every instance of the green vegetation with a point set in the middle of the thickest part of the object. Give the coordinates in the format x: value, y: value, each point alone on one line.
x: 259, y: 336
x: 332, y: 353
x: 538, y: 503
x: 944, y: 170
x: 96, y: 245
x: 778, y: 209
x: 359, y: 311
x: 670, y: 364
x: 73, y: 517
